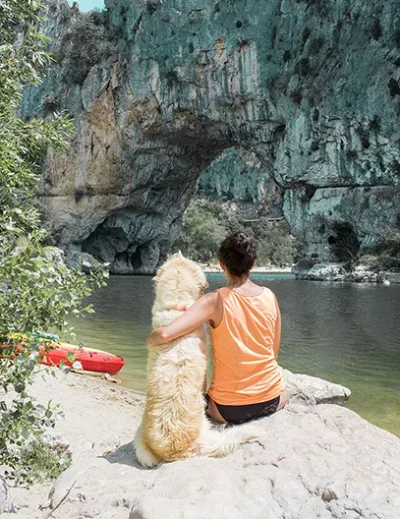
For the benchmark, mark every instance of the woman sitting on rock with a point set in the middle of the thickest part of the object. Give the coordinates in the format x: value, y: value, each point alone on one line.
x: 245, y: 324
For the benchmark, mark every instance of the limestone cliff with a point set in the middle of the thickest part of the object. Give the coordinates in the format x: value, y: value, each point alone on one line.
x: 160, y: 88
x: 238, y: 179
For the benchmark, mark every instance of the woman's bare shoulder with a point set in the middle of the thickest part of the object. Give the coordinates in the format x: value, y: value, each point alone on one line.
x: 211, y: 297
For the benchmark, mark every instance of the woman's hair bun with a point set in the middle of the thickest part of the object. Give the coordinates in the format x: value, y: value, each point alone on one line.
x: 243, y: 243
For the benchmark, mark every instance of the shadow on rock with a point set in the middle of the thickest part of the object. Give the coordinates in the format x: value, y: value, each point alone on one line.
x: 124, y: 455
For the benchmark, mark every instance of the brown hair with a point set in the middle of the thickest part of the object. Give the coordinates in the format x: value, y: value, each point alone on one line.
x: 238, y: 253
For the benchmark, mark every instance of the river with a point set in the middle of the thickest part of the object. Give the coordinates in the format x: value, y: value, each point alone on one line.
x: 346, y: 333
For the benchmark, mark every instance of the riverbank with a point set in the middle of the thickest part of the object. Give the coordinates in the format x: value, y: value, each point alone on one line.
x: 337, y: 272
x: 323, y: 272
x: 310, y: 461
x: 256, y: 269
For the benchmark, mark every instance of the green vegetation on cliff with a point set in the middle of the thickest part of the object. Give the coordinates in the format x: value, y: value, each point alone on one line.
x: 207, y: 223
x: 37, y: 290
x: 386, y: 255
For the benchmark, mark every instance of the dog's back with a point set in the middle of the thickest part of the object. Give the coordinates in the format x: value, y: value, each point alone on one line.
x: 174, y: 413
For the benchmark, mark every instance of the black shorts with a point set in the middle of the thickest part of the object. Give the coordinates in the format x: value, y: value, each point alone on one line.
x: 237, y: 414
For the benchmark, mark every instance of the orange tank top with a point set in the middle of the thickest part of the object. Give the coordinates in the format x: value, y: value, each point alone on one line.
x: 245, y: 348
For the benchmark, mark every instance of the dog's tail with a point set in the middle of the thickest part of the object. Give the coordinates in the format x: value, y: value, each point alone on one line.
x: 223, y: 441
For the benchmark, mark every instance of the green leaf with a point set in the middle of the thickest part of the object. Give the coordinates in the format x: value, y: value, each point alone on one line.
x: 38, y: 292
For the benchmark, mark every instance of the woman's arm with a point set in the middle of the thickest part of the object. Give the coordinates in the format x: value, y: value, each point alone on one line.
x: 200, y: 312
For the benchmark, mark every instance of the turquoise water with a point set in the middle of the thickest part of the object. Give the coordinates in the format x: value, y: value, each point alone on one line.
x: 346, y: 333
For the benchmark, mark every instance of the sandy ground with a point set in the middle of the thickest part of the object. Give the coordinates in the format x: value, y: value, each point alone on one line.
x: 101, y: 418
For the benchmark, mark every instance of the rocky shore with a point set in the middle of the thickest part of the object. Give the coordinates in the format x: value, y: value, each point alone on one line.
x: 313, y: 271
x: 337, y: 272
x: 312, y: 459
x: 86, y: 262
x: 256, y: 270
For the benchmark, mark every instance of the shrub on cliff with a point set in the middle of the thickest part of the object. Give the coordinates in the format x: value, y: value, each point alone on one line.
x: 207, y: 223
x: 391, y: 244
x: 37, y: 290
x: 344, y: 243
x: 385, y: 256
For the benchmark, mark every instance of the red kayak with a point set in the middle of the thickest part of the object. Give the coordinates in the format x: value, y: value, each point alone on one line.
x: 90, y: 359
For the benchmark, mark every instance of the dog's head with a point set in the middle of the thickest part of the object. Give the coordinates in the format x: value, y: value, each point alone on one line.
x: 179, y: 280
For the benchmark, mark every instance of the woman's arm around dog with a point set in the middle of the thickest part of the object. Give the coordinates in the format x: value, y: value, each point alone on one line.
x: 208, y: 308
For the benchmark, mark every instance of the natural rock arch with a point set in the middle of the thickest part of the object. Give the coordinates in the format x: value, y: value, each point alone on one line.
x: 136, y: 237
x: 311, y: 88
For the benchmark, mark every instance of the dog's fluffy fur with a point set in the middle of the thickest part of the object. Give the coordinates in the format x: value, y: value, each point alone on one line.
x: 174, y: 425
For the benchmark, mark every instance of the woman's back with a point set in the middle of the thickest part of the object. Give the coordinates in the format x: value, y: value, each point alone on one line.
x: 245, y: 348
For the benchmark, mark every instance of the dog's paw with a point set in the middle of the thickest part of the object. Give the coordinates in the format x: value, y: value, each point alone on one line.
x: 143, y: 454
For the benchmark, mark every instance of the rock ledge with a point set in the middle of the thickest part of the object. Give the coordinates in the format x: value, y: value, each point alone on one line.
x: 310, y: 461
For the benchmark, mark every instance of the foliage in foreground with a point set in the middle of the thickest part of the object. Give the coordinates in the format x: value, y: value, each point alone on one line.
x: 207, y: 223
x: 37, y: 290
x: 41, y: 461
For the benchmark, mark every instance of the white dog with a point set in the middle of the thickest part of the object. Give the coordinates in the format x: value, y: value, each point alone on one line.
x: 174, y: 425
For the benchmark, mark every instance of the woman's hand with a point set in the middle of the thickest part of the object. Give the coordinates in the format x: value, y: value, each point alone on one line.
x: 156, y: 338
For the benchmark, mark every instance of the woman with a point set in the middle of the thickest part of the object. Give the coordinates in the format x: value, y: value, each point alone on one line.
x: 245, y: 324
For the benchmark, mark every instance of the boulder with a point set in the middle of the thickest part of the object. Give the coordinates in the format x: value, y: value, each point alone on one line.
x: 312, y: 390
x: 335, y: 272
x: 76, y: 259
x: 319, y: 271
x: 392, y: 277
x: 310, y: 462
